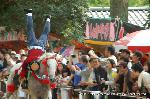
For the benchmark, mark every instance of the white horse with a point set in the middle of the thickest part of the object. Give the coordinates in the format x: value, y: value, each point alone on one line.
x: 37, y: 90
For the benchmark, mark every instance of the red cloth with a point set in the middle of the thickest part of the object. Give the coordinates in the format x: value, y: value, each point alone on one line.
x: 43, y: 81
x: 33, y: 55
x: 53, y: 85
x: 44, y: 62
x: 10, y: 88
x: 112, y: 32
x: 121, y: 32
x: 143, y: 61
x: 144, y: 49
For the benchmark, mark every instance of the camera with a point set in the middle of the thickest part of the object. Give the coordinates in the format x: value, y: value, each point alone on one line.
x: 73, y: 56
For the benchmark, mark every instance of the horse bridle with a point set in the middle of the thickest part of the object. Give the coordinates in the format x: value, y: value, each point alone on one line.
x: 45, y: 79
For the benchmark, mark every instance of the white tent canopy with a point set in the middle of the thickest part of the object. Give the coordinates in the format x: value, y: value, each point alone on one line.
x: 139, y: 40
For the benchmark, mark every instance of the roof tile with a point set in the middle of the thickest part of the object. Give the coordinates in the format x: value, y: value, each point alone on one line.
x: 136, y: 15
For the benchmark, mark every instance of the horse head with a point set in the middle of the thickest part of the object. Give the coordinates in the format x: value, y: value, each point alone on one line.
x: 50, y: 61
x: 52, y: 64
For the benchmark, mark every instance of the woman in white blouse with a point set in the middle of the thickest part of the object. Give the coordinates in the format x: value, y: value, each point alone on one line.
x: 111, y: 73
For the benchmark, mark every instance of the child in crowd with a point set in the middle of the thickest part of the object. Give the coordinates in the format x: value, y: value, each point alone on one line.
x: 65, y: 78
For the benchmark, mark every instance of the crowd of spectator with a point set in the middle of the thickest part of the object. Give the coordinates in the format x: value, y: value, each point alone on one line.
x: 122, y: 72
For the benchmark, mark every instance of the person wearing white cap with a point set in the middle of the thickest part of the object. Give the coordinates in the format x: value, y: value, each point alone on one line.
x: 22, y: 52
x: 13, y: 52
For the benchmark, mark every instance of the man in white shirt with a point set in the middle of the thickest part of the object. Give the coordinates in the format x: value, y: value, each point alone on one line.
x: 110, y: 53
x: 143, y: 77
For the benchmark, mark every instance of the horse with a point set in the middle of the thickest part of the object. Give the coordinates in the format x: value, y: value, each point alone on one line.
x: 36, y: 88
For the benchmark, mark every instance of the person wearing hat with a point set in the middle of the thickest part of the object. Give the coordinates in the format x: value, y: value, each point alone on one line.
x: 22, y: 52
x: 13, y: 53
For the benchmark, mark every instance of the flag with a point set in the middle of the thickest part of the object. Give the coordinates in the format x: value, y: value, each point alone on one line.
x: 67, y: 51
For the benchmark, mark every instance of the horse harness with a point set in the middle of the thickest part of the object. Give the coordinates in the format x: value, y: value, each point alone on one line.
x: 33, y: 69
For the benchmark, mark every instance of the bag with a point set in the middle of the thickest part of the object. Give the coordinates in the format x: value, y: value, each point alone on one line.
x: 21, y: 93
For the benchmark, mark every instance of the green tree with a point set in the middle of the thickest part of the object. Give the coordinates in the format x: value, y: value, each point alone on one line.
x: 106, y: 3
x: 68, y: 16
x: 98, y: 3
x: 136, y: 3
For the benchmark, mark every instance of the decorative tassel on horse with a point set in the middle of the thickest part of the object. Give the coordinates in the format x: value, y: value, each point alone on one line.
x: 11, y: 88
x: 53, y: 85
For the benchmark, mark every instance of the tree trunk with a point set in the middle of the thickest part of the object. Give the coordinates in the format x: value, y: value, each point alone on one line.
x: 119, y: 8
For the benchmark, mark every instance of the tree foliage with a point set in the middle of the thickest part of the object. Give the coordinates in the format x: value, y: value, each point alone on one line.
x: 106, y: 3
x: 68, y: 16
x: 98, y: 3
x: 137, y: 3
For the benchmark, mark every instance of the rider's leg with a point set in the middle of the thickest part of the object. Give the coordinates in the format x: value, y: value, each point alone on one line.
x: 31, y: 39
x: 44, y: 36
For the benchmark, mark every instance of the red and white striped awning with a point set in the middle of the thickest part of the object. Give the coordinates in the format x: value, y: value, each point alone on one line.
x: 139, y: 40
